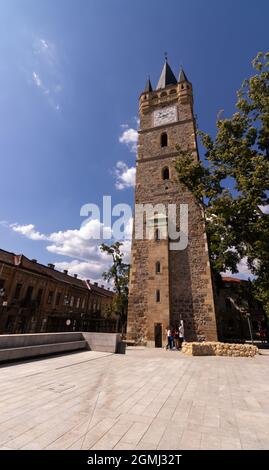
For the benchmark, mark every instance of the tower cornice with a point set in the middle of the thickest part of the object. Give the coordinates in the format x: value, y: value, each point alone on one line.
x: 164, y: 126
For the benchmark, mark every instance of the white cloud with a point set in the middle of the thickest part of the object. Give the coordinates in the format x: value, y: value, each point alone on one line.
x: 265, y: 209
x: 28, y: 231
x: 45, y: 73
x: 44, y: 44
x: 37, y: 80
x: 129, y: 137
x: 125, y: 176
x: 84, y: 269
x: 46, y: 51
x: 243, y: 271
x: 83, y: 245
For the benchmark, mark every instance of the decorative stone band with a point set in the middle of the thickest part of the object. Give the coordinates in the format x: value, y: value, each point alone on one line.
x: 219, y: 349
x: 168, y: 124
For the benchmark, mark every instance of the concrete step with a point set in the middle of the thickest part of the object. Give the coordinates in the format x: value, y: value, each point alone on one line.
x: 36, y: 339
x: 11, y: 354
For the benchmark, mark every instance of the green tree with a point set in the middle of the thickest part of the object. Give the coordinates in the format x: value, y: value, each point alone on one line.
x: 118, y: 273
x: 232, y: 183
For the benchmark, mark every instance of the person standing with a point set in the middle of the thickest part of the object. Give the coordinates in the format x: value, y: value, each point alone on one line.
x: 262, y: 334
x: 176, y: 338
x: 181, y: 333
x: 169, y: 338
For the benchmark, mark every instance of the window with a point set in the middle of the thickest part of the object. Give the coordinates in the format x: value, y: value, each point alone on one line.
x: 39, y: 295
x: 228, y: 304
x: 50, y: 297
x: 58, y: 298
x: 158, y: 295
x: 164, y: 140
x: 158, y: 267
x: 165, y: 173
x: 2, y: 283
x: 78, y: 302
x: 83, y: 302
x: 28, y: 295
x: 72, y: 301
x: 157, y: 235
x: 17, y: 291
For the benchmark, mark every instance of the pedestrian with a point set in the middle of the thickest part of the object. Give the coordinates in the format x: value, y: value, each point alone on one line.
x: 181, y: 333
x: 176, y: 338
x: 263, y: 334
x: 169, y: 344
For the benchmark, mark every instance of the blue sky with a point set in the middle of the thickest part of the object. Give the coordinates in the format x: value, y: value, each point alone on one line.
x: 70, y: 76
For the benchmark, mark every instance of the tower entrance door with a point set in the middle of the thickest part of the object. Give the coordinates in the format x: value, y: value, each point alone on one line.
x: 158, y: 335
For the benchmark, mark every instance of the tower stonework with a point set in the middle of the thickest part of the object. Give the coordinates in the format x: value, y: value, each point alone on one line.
x: 167, y: 285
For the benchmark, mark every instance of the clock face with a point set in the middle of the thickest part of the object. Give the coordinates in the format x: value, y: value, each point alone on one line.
x: 165, y: 115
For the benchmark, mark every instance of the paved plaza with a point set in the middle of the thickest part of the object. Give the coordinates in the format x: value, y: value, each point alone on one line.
x: 146, y: 399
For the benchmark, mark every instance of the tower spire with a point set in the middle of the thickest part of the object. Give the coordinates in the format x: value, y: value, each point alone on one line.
x: 182, y: 76
x: 148, y: 87
x: 167, y: 76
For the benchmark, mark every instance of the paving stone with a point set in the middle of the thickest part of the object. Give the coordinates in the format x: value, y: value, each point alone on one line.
x: 92, y: 400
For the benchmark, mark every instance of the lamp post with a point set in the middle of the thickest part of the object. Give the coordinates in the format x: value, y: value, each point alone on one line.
x: 4, y: 306
x: 66, y: 304
x: 249, y: 326
x: 2, y: 296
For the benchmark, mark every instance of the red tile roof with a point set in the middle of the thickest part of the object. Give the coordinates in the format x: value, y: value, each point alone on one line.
x: 231, y: 279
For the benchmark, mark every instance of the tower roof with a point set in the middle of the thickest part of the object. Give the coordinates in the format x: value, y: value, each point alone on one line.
x: 148, y: 87
x: 182, y: 76
x: 167, y: 77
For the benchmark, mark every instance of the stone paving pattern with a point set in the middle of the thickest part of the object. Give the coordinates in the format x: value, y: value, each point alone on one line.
x: 146, y: 399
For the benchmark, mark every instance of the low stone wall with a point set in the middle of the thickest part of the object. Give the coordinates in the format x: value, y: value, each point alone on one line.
x: 22, y: 346
x: 219, y: 349
x: 38, y: 339
x: 105, y: 342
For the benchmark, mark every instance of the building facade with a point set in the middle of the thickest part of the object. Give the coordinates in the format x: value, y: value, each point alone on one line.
x: 36, y: 298
x: 168, y: 285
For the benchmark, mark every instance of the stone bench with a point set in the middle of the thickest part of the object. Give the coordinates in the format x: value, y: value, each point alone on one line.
x: 22, y: 346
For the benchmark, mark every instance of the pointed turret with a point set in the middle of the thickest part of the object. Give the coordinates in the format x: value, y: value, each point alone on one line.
x: 167, y: 77
x: 182, y: 76
x: 148, y: 87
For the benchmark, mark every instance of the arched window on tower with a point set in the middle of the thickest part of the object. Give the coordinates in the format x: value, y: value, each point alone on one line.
x: 165, y: 173
x: 164, y: 140
x: 157, y: 235
x: 158, y: 295
x: 158, y: 267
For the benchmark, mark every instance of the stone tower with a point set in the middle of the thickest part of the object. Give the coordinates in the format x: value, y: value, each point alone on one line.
x: 167, y: 285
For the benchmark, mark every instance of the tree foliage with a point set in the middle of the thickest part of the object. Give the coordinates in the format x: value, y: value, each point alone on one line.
x: 118, y: 273
x: 232, y: 183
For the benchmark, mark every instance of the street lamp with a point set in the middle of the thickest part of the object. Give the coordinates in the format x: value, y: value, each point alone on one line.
x: 249, y: 326
x: 2, y: 296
